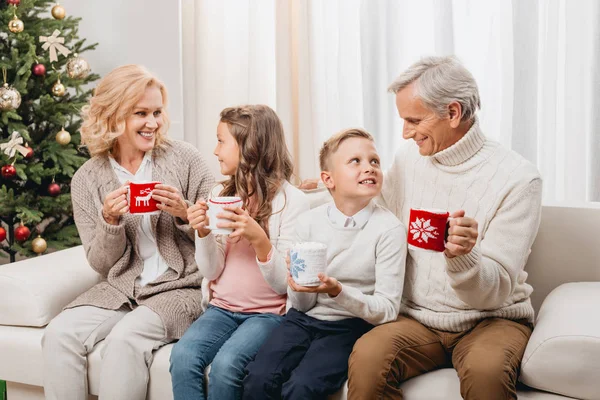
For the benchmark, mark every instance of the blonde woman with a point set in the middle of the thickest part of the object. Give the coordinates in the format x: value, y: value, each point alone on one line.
x: 151, y: 292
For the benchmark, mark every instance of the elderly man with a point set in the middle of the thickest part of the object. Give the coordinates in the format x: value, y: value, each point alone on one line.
x: 468, y: 306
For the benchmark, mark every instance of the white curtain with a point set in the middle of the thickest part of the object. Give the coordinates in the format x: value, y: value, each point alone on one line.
x: 325, y: 65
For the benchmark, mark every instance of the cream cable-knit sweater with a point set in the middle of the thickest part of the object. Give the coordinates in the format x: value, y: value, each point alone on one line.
x: 175, y: 295
x: 498, y: 188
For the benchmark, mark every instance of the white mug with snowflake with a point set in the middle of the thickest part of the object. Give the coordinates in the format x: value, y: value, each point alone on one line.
x: 428, y: 229
x: 307, y: 260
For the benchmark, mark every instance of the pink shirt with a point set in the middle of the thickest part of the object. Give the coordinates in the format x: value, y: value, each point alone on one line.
x: 241, y: 286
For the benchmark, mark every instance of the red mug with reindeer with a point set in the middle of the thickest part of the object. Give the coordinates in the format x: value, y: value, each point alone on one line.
x: 140, y: 198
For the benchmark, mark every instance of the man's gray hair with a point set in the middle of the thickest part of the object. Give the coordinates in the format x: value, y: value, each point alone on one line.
x: 440, y: 81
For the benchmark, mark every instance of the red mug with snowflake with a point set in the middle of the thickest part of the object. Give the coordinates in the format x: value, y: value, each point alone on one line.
x: 428, y: 229
x: 140, y: 198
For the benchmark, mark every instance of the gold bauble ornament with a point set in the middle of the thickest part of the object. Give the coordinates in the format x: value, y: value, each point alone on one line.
x: 39, y: 245
x: 58, y: 12
x: 15, y: 25
x: 10, y: 98
x: 63, y: 137
x: 77, y: 67
x: 58, y: 89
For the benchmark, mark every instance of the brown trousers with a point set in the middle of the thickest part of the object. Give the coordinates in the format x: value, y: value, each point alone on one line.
x: 486, y: 358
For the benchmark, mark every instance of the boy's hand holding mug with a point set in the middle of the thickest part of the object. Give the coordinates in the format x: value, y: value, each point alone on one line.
x: 328, y: 285
x: 306, y: 273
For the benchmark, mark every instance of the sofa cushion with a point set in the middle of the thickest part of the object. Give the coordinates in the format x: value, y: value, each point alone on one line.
x: 443, y: 384
x: 21, y: 355
x: 21, y: 361
x: 38, y: 290
x: 563, y: 353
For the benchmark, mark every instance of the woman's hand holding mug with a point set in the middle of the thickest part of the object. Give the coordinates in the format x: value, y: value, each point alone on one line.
x: 115, y: 205
x: 170, y: 201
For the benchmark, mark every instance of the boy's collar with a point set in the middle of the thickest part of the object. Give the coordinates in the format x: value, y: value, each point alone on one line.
x: 360, y: 219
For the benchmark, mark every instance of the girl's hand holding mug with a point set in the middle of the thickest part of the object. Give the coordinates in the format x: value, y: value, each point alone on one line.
x: 242, y: 223
x: 115, y: 205
x: 245, y: 226
x: 198, y: 220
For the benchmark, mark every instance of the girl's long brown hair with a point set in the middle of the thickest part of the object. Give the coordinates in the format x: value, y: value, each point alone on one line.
x: 265, y: 162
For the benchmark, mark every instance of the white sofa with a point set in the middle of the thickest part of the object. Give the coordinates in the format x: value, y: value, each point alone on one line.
x: 563, y: 355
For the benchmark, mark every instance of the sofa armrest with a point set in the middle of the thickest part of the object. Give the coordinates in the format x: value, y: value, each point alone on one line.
x: 34, y: 291
x: 563, y: 351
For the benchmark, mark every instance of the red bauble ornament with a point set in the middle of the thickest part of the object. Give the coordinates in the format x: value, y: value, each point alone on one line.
x: 2, y: 234
x: 53, y: 189
x: 13, y: 2
x: 22, y: 233
x: 8, y: 172
x: 29, y: 152
x: 39, y: 70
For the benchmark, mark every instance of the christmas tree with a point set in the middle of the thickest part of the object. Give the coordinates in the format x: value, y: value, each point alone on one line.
x: 45, y: 86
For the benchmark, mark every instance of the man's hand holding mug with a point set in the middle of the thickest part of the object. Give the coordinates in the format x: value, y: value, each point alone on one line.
x: 438, y: 230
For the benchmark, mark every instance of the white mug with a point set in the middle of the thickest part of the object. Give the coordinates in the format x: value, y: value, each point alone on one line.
x: 215, y: 206
x: 307, y: 260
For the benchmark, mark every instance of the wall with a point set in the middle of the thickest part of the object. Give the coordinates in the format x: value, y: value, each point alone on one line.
x: 135, y: 31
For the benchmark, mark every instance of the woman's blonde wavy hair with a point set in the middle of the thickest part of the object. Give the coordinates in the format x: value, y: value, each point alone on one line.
x: 113, y: 101
x: 265, y: 162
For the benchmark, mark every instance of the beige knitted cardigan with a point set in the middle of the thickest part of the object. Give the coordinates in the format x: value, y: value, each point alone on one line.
x: 111, y: 251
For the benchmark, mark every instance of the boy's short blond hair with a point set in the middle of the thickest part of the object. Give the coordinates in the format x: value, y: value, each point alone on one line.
x: 334, y: 142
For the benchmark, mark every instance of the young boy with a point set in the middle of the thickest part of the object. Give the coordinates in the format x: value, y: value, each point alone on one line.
x: 306, y: 357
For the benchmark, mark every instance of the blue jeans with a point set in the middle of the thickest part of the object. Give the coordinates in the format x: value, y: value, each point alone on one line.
x: 226, y: 340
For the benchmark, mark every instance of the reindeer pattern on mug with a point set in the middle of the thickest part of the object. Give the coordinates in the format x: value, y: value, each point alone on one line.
x: 140, y: 198
x: 145, y: 200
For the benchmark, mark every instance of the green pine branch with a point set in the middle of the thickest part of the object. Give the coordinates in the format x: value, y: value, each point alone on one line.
x: 40, y: 116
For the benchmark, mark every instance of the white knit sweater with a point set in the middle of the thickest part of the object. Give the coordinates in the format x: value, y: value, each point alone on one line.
x: 502, y: 191
x: 367, y: 260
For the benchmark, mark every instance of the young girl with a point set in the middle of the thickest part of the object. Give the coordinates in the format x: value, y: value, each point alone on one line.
x: 247, y: 270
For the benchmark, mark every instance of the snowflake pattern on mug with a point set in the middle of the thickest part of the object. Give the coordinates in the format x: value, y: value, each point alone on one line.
x: 422, y: 230
x: 298, y: 264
